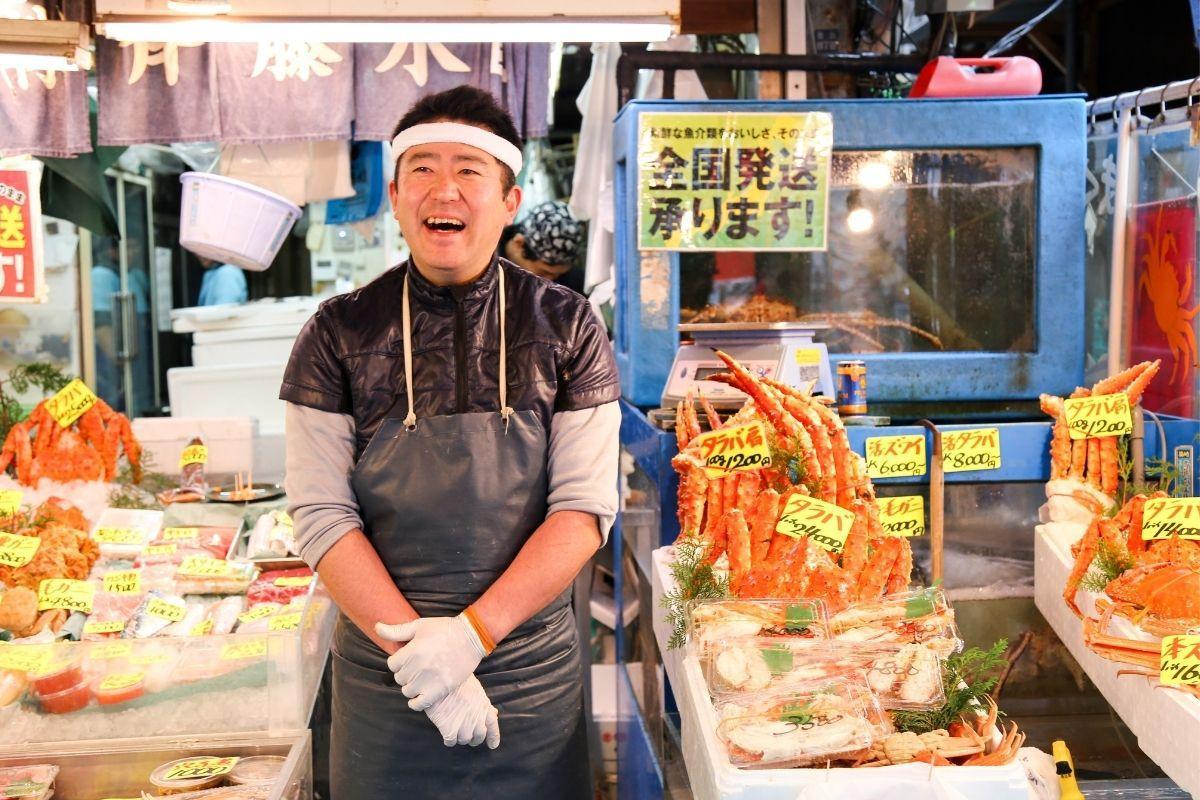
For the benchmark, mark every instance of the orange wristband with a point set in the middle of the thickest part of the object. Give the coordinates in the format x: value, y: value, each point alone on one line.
x: 484, y: 637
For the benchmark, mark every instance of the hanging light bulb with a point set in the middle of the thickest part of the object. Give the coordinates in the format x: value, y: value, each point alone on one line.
x: 860, y: 220
x: 875, y: 175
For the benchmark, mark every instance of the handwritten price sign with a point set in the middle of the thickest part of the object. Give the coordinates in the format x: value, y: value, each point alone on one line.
x: 110, y: 650
x: 193, y: 454
x: 970, y: 450
x: 200, y: 768
x: 67, y: 594
x: 120, y: 680
x: 1179, y: 662
x: 293, y: 581
x: 1099, y: 415
x: 896, y: 456
x: 244, y: 650
x: 179, y: 534
x: 71, y: 402
x: 736, y: 448
x: 1164, y: 517
x: 259, y: 612
x: 103, y: 627
x: 826, y: 524
x: 161, y: 549
x: 17, y: 551
x: 24, y: 657
x: 164, y: 610
x: 10, y: 501
x: 127, y: 581
x: 202, y: 566
x: 903, y: 516
x: 119, y: 536
x: 285, y: 622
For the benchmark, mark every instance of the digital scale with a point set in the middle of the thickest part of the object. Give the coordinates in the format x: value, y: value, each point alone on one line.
x: 784, y: 351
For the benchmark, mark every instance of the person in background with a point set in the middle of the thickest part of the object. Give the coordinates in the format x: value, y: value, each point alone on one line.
x: 222, y: 283
x: 547, y: 243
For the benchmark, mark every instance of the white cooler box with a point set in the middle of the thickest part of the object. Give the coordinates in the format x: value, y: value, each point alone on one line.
x: 230, y: 441
x: 237, y: 346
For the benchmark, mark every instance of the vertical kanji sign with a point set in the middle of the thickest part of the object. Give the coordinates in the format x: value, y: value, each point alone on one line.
x: 733, y: 181
x: 20, y: 236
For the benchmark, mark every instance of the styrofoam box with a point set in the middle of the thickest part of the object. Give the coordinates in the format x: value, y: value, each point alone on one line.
x: 714, y: 778
x: 1165, y: 721
x: 236, y: 346
x: 243, y: 390
x: 230, y: 441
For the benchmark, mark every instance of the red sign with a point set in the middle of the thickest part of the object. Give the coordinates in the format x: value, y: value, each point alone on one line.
x: 1165, y: 302
x: 20, y: 238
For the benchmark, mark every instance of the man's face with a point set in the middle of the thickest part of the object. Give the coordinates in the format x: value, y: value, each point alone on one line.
x: 450, y: 202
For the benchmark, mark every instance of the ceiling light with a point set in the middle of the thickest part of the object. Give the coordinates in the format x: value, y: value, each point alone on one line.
x: 860, y: 220
x: 44, y: 44
x: 874, y: 175
x: 331, y: 30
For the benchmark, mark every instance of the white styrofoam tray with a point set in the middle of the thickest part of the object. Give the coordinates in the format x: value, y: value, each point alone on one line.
x: 714, y: 778
x: 1166, y: 722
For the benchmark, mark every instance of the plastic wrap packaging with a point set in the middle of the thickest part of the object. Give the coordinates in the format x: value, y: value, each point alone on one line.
x: 33, y: 782
x: 711, y: 621
x: 235, y: 578
x: 156, y: 612
x: 280, y: 586
x: 272, y: 537
x: 224, y: 614
x: 123, y: 533
x: 918, y: 616
x: 822, y: 722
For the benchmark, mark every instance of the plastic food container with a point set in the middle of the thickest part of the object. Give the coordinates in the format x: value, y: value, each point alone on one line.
x: 162, y: 779
x: 712, y: 621
x: 34, y: 782
x: 116, y: 688
x: 774, y: 663
x: 905, y: 676
x: 73, y: 698
x: 257, y: 771
x: 228, y: 793
x: 233, y: 221
x: 823, y: 721
x: 922, y: 615
x: 59, y: 676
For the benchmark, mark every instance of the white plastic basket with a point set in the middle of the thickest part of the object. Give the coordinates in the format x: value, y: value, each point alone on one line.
x: 232, y: 221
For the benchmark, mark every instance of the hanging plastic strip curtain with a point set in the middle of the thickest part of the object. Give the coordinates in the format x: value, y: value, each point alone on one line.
x: 1098, y: 241
x: 1162, y: 297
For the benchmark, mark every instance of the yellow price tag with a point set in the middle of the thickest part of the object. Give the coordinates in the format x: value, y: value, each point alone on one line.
x: 896, y: 456
x: 285, y: 622
x: 127, y: 581
x: 1164, y: 517
x: 824, y: 523
x: 150, y: 659
x: 193, y: 454
x: 259, y: 612
x: 119, y: 536
x: 244, y: 650
x: 98, y: 628
x: 735, y: 448
x: 24, y: 657
x: 808, y: 356
x: 1098, y: 416
x: 903, y: 516
x: 200, y: 768
x: 120, y: 680
x: 293, y: 581
x: 202, y: 629
x: 67, y: 594
x: 1179, y: 661
x: 110, y: 650
x: 203, y: 566
x: 164, y: 610
x: 10, y: 501
x: 161, y: 549
x: 71, y: 402
x: 179, y: 534
x: 17, y: 551
x: 970, y: 450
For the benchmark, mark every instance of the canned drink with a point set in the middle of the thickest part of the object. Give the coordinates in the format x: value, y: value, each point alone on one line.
x: 852, y: 387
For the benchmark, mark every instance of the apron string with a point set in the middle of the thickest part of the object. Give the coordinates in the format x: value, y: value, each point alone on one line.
x: 410, y: 421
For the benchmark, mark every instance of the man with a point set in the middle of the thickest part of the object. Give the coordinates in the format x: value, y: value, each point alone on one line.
x: 221, y: 284
x: 452, y: 464
x: 546, y: 243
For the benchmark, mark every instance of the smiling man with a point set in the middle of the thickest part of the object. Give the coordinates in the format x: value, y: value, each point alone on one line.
x: 452, y: 464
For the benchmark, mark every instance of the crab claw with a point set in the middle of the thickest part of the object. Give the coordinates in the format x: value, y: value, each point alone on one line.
x: 766, y: 400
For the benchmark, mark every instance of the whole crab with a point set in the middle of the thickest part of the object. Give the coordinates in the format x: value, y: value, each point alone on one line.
x: 87, y: 449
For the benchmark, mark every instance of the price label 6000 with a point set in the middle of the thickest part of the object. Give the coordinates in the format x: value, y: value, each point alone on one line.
x: 896, y: 456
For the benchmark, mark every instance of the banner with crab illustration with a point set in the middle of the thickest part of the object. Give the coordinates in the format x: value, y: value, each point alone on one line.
x: 1165, y: 303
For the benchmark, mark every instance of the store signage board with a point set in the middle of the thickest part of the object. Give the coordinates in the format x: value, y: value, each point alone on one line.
x: 902, y: 516
x: 896, y: 456
x: 734, y: 181
x: 824, y: 523
x: 735, y: 448
x: 971, y: 450
x: 1099, y: 416
x: 22, y: 273
x: 1165, y: 517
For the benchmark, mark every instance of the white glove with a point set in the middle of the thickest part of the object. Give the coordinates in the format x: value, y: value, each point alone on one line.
x: 466, y: 716
x: 441, y: 653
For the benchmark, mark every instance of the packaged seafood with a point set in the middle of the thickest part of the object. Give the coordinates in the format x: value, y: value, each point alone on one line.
x: 125, y: 532
x: 185, y: 776
x: 33, y: 782
x: 224, y: 614
x: 820, y: 722
x: 774, y: 663
x: 118, y: 687
x: 904, y: 676
x: 273, y: 536
x: 280, y: 586
x: 156, y: 612
x: 257, y: 771
x: 718, y: 620
x: 170, y: 553
x: 60, y: 674
x: 207, y: 575
x: 193, y: 622
x: 73, y: 698
x: 919, y: 616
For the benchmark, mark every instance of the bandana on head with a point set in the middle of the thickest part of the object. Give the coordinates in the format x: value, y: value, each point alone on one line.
x: 503, y: 150
x: 552, y: 234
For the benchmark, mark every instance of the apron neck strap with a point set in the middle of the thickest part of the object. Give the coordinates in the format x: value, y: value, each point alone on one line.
x: 410, y: 421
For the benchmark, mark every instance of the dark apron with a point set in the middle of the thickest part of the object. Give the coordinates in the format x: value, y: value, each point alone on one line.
x: 447, y: 502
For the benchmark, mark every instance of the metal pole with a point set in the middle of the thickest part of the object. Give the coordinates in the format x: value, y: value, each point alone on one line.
x: 937, y: 501
x: 1116, y: 289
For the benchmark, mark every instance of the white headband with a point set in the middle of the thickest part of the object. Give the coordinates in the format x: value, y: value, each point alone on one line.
x: 505, y: 151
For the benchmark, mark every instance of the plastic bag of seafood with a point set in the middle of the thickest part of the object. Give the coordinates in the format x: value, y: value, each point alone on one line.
x: 775, y: 663
x: 918, y: 616
x: 815, y: 723
x: 712, y: 621
x: 903, y: 676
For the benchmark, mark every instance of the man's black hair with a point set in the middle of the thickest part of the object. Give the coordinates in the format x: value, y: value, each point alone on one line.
x: 468, y: 105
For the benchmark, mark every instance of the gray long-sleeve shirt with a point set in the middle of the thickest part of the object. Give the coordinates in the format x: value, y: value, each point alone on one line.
x: 583, y: 458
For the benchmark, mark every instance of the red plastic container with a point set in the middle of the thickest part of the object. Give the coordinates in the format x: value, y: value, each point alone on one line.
x: 959, y: 77
x: 75, y: 698
x: 114, y: 689
x: 62, y: 677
